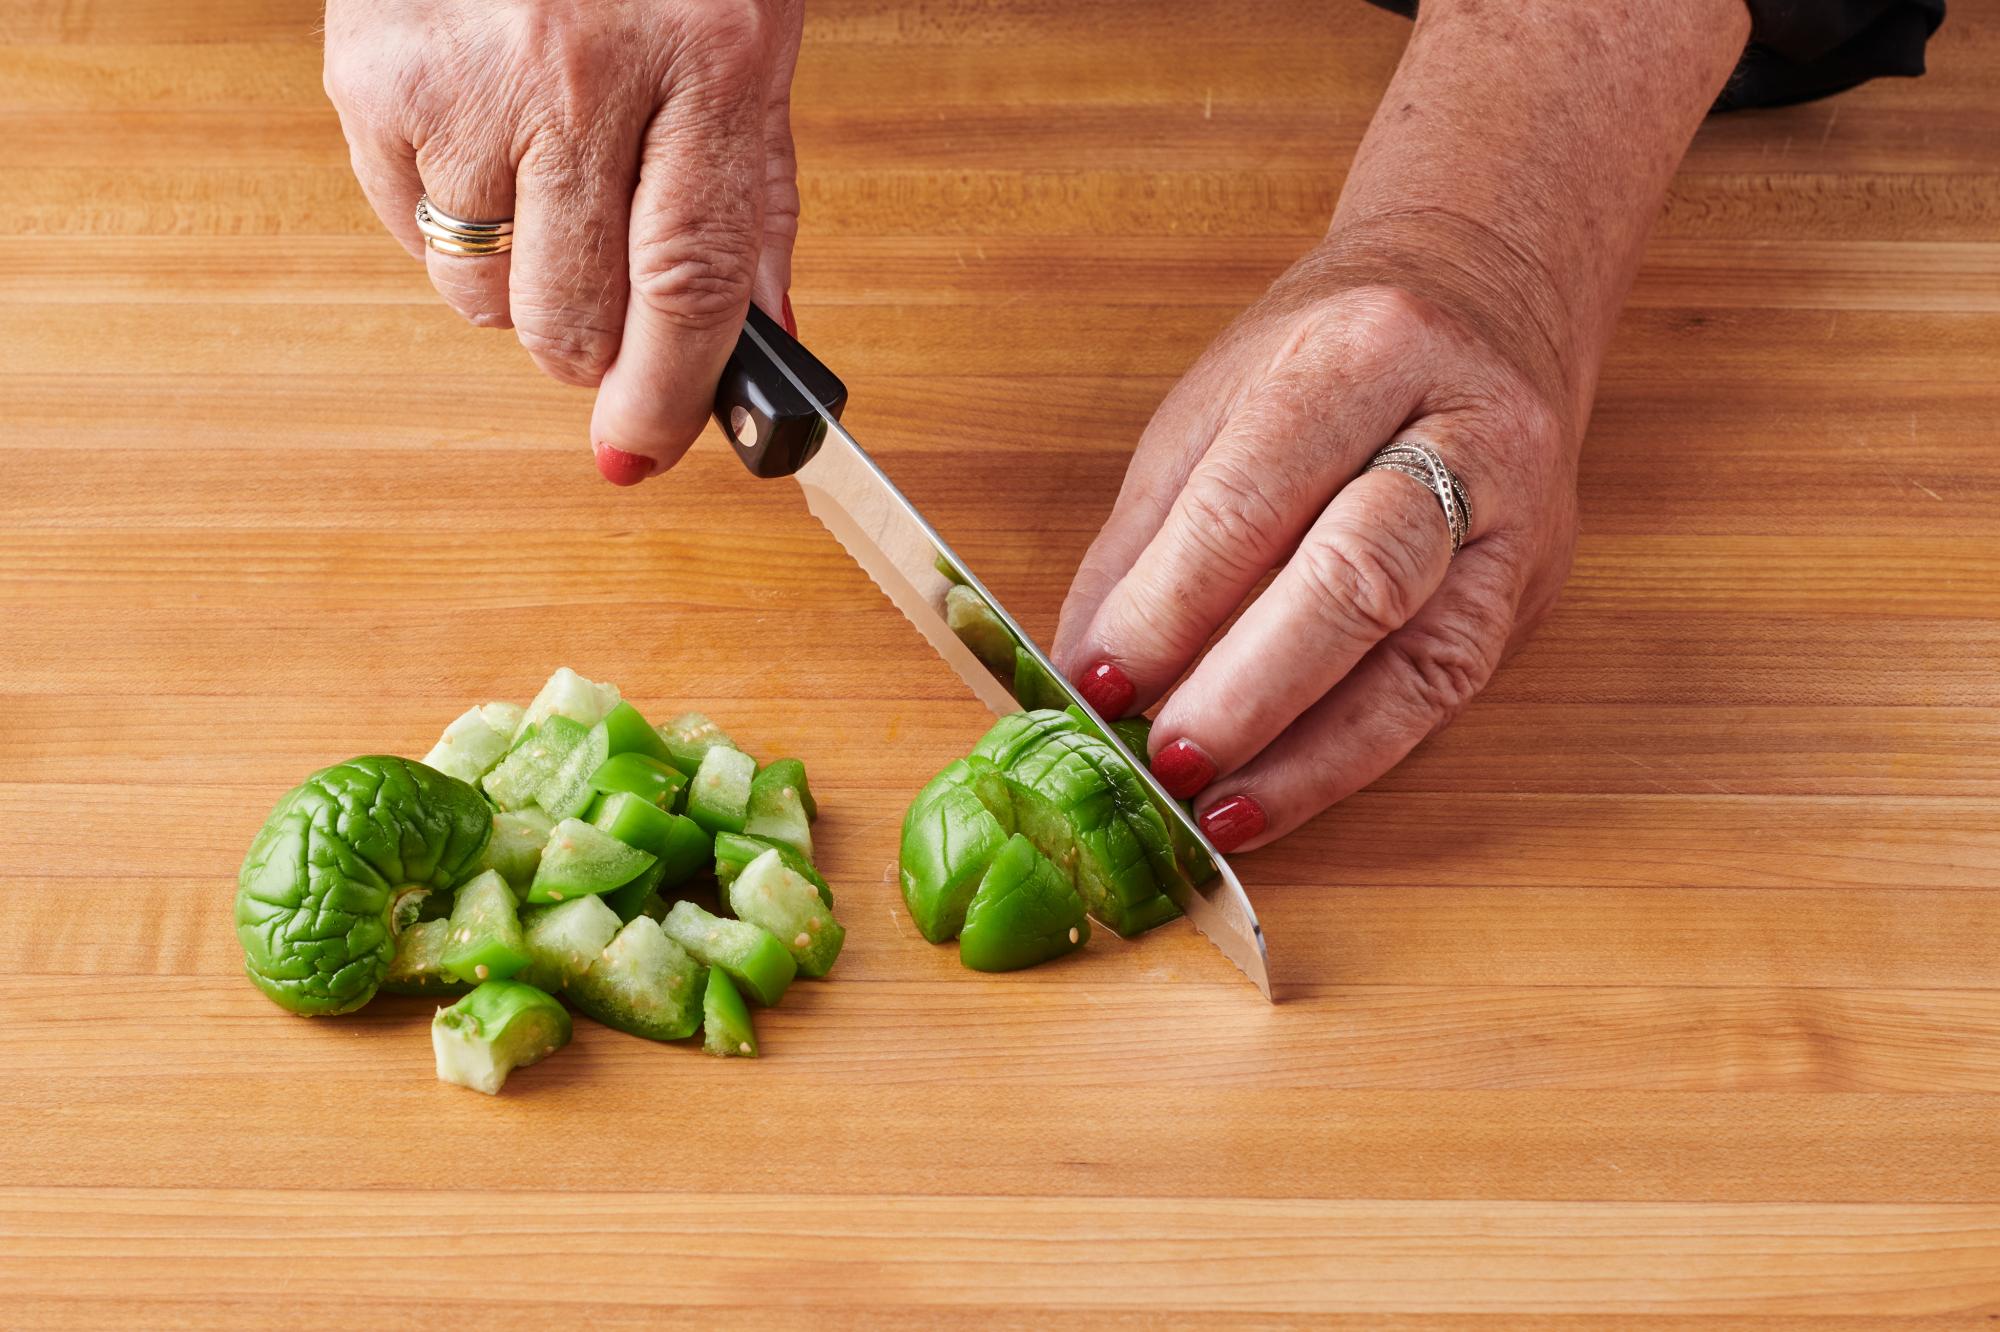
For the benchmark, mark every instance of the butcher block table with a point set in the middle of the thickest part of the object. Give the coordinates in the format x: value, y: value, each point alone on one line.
x: 1663, y: 990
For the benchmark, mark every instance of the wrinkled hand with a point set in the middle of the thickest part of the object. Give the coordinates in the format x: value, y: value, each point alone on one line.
x: 1371, y: 635
x: 643, y: 150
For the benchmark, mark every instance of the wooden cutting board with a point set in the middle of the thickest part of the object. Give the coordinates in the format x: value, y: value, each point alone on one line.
x: 1663, y: 984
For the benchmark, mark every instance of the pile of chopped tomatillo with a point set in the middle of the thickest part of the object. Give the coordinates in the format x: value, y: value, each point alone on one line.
x: 540, y: 855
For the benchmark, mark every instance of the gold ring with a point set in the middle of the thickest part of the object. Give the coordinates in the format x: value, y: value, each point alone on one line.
x: 451, y: 235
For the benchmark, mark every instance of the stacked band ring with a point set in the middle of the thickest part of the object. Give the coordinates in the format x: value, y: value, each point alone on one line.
x: 451, y: 235
x: 1421, y: 464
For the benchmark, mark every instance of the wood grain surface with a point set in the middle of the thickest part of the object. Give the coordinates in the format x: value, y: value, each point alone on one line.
x: 1660, y: 992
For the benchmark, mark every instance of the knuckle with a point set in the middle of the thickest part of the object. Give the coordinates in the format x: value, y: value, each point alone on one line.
x: 569, y: 345
x: 697, y: 277
x: 1446, y: 664
x: 1227, y: 518
x: 1359, y: 582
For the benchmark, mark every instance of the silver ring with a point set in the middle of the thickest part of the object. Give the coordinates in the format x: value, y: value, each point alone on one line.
x: 1420, y: 462
x: 454, y: 235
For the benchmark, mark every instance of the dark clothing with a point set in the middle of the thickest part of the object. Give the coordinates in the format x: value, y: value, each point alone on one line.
x: 1802, y: 49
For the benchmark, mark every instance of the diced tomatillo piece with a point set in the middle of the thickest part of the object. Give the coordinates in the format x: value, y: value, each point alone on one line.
x: 472, y: 744
x: 678, y: 842
x: 515, y: 847
x: 419, y: 964
x: 751, y: 954
x: 566, y: 793
x: 769, y: 893
x: 563, y: 939
x: 485, y: 940
x: 1141, y: 815
x: 735, y: 850
x: 633, y: 734
x: 688, y: 739
x: 968, y: 615
x: 579, y: 860
x: 568, y: 694
x: 1138, y: 919
x: 725, y: 1021
x: 778, y: 808
x: 642, y: 983
x: 630, y: 901
x: 1033, y: 686
x: 1025, y: 912
x: 1068, y: 807
x: 657, y: 782
x: 719, y: 796
x: 790, y: 772
x: 515, y: 779
x: 499, y: 1027
x: 949, y: 838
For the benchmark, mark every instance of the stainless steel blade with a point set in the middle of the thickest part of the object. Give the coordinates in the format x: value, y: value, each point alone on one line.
x: 889, y: 539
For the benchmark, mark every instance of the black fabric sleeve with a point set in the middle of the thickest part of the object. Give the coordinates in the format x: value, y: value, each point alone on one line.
x: 1802, y: 49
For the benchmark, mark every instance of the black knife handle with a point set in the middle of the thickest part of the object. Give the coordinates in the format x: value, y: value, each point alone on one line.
x: 775, y: 428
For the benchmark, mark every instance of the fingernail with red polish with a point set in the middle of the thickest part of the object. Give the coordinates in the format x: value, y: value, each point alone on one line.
x: 621, y: 468
x: 1107, y: 690
x: 791, y: 320
x: 1232, y: 822
x: 1183, y: 769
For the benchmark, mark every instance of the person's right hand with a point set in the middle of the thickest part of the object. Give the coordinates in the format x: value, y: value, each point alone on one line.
x: 643, y: 149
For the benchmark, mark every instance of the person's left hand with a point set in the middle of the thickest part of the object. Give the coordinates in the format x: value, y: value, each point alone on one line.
x: 1372, y: 635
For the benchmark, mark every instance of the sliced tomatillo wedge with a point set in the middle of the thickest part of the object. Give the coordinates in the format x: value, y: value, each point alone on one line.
x: 635, y: 897
x: 781, y: 807
x: 725, y: 1021
x: 769, y: 893
x: 515, y: 779
x: 751, y: 954
x: 642, y: 983
x: 735, y: 850
x: 476, y: 741
x: 679, y: 845
x: 501, y: 1026
x: 688, y: 739
x: 569, y: 695
x: 419, y: 964
x: 968, y: 616
x: 631, y: 733
x: 719, y: 796
x: 485, y: 932
x: 1025, y: 912
x: 1033, y: 686
x: 563, y: 939
x: 950, y: 833
x: 656, y: 782
x: 320, y: 881
x: 566, y: 793
x: 515, y: 848
x: 579, y: 860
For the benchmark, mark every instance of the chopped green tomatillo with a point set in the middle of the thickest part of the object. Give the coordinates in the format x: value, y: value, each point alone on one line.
x: 580, y: 860
x: 515, y: 848
x: 476, y: 741
x: 630, y: 733
x: 656, y: 782
x: 950, y: 833
x: 1133, y: 731
x: 419, y: 964
x: 1025, y: 912
x: 719, y: 796
x: 1033, y: 686
x: 568, y: 694
x: 320, y: 882
x: 566, y: 792
x: 749, y: 953
x: 1018, y: 732
x: 514, y: 781
x: 688, y: 739
x: 780, y: 806
x: 735, y: 850
x: 769, y: 893
x: 563, y: 939
x: 499, y: 1027
x: 485, y: 942
x: 725, y: 1022
x: 642, y: 983
x: 1068, y: 802
x: 632, y: 899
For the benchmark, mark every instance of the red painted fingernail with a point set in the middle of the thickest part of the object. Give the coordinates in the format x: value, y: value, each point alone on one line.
x: 791, y: 320
x: 1232, y: 822
x: 1183, y: 769
x: 621, y: 468
x: 1107, y: 690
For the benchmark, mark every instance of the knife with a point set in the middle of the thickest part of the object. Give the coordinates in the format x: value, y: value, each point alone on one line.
x: 780, y: 408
